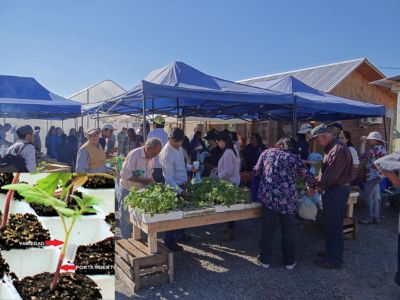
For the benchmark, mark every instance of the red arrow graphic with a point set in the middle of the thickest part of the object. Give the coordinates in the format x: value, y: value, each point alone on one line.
x: 68, y: 267
x: 53, y: 243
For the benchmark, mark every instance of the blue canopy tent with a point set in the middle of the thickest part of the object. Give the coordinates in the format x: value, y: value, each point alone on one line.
x: 317, y: 105
x: 25, y: 98
x: 312, y: 104
x: 180, y: 90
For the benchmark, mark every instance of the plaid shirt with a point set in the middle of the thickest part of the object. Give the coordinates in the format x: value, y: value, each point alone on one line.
x: 336, y: 167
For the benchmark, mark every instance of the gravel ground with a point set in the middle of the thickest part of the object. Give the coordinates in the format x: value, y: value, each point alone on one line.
x: 210, y: 268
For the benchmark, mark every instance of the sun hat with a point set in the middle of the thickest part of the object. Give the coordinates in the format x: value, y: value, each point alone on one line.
x: 305, y: 128
x: 375, y: 135
x: 159, y: 120
x: 107, y: 126
x: 319, y: 130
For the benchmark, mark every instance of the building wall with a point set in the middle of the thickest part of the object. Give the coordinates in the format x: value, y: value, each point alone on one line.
x: 358, y: 87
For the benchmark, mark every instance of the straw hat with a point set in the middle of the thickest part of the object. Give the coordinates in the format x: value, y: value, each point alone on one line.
x: 375, y: 135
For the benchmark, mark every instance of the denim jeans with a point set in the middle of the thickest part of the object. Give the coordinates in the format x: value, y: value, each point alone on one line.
x: 125, y: 225
x: 334, y: 202
x: 269, y: 222
x: 372, y: 195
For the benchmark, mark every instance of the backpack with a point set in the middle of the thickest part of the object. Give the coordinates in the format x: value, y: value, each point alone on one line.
x: 14, y: 163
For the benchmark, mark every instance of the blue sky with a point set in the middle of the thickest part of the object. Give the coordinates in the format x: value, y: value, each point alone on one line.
x: 69, y: 45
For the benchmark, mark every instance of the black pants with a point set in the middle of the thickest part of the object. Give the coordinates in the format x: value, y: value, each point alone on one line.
x: 334, y: 202
x: 269, y: 222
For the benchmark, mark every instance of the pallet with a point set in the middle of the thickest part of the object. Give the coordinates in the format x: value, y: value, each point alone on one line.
x: 139, y: 269
x: 350, y: 228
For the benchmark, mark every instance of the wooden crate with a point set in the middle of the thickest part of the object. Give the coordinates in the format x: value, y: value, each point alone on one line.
x: 139, y: 269
x: 350, y: 228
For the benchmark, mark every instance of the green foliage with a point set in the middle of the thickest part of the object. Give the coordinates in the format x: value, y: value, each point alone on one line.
x: 213, y: 191
x: 43, y: 194
x: 154, y: 199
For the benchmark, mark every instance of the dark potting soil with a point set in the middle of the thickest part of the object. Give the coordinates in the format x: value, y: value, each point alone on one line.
x: 110, y: 220
x: 6, y: 178
x: 48, y: 211
x: 99, y: 182
x: 23, y: 231
x: 70, y: 286
x: 4, y: 267
x: 96, y: 258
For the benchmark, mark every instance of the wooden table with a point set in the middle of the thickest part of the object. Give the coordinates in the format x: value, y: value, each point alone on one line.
x: 206, y: 219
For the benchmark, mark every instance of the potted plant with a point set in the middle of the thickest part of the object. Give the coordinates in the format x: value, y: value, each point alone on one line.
x: 48, y: 285
x: 156, y: 202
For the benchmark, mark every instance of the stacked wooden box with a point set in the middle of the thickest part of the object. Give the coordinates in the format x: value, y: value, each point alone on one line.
x: 142, y: 270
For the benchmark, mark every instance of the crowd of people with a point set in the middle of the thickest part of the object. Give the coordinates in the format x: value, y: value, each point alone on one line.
x: 165, y: 158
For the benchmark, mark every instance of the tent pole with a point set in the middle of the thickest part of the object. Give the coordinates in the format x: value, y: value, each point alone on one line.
x: 62, y: 125
x: 294, y: 117
x: 144, y: 118
x: 47, y: 125
x: 152, y: 106
x: 82, y: 121
x: 177, y: 111
x: 98, y: 120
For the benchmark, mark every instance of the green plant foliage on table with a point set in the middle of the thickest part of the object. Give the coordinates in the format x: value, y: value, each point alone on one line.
x: 154, y: 199
x: 214, y: 191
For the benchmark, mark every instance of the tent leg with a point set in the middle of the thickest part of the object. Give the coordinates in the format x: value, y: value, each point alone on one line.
x: 144, y: 118
x: 294, y: 117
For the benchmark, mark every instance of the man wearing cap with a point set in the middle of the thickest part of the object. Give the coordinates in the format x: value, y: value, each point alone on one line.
x: 91, y: 156
x: 159, y: 133
x: 334, y: 180
x: 24, y: 148
x: 136, y: 171
x: 336, y: 128
x: 175, y: 174
x: 214, y: 153
x: 303, y: 147
x: 104, y: 140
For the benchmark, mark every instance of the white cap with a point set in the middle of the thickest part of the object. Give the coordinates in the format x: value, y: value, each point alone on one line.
x: 375, y: 135
x: 107, y: 126
x: 305, y: 128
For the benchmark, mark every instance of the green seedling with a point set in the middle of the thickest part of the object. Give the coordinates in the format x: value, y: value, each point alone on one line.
x: 44, y: 192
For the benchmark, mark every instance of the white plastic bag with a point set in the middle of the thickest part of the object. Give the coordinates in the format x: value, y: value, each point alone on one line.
x: 307, y: 209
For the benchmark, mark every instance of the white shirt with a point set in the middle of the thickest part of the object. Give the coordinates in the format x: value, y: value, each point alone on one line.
x: 354, y: 155
x: 28, y: 153
x: 229, y: 167
x: 160, y: 134
x: 173, y: 166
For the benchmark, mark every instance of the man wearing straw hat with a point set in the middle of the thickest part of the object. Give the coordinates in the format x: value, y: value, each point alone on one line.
x: 334, y: 180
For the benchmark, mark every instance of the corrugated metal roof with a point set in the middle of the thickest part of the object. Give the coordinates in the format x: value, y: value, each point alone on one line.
x: 101, y: 91
x: 323, y: 78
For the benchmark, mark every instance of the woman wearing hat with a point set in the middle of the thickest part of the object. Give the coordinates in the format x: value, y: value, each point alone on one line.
x: 371, y: 185
x: 91, y: 156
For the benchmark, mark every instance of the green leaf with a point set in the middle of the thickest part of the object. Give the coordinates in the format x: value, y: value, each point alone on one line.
x: 50, y: 183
